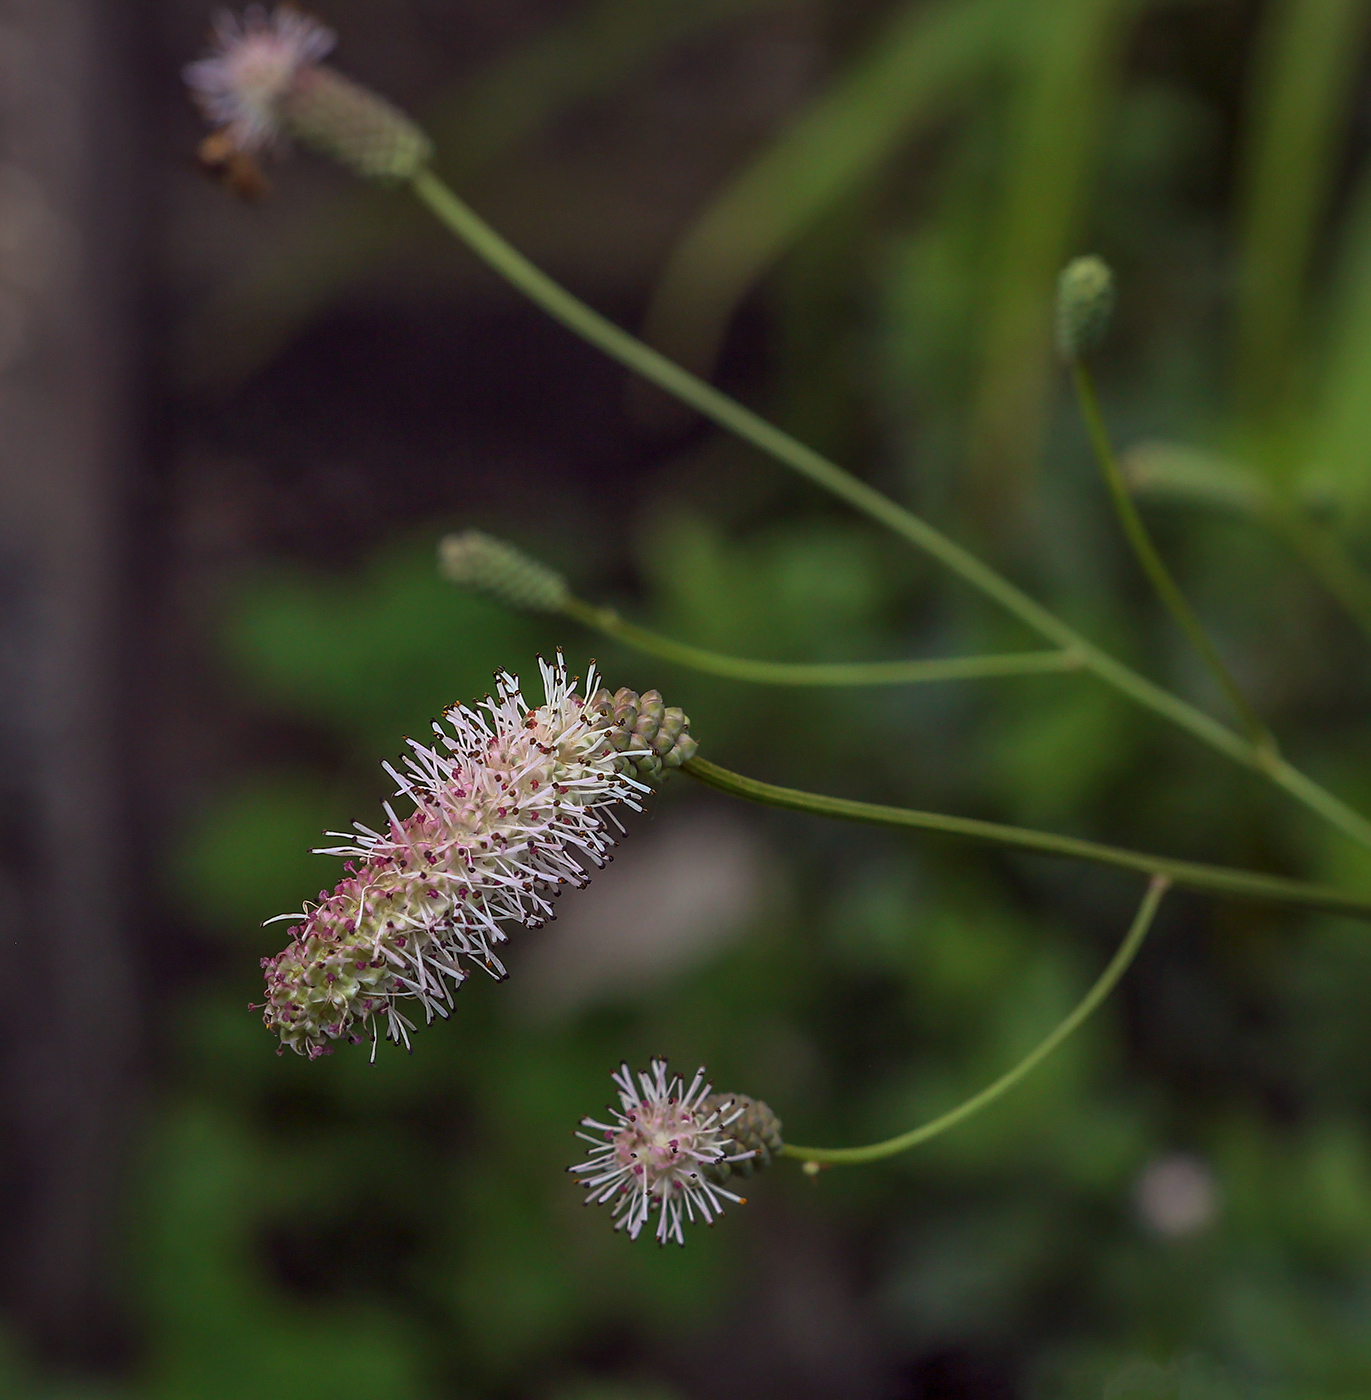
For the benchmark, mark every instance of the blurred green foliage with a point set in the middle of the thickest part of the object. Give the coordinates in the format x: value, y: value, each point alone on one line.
x: 405, y: 1230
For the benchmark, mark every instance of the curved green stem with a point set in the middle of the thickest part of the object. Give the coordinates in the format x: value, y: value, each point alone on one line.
x: 955, y: 668
x: 727, y: 413
x: 1329, y: 560
x: 1108, y: 980
x: 1192, y: 474
x: 1216, y: 879
x: 1168, y: 590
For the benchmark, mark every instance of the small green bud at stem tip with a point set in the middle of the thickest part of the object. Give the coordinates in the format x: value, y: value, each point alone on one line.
x: 349, y: 123
x: 476, y: 560
x: 1085, y: 303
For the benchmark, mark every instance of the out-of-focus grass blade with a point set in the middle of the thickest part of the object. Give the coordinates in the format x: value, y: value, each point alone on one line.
x: 585, y: 58
x: 1071, y: 53
x: 1180, y: 472
x: 1309, y: 54
x: 1337, y: 457
x: 902, y: 81
x: 1190, y: 474
x: 246, y: 322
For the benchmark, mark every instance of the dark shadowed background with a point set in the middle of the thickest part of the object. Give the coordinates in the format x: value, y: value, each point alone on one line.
x: 230, y: 439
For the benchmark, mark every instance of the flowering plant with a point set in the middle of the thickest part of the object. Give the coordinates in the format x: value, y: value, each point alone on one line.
x: 515, y: 803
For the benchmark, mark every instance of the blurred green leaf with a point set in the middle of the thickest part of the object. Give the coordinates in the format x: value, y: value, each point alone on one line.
x: 380, y: 655
x: 1308, y: 57
x: 905, y: 81
x: 251, y: 856
x: 1062, y: 104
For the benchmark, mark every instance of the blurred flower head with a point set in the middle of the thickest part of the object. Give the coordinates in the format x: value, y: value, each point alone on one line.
x: 660, y: 1152
x: 244, y: 84
x: 264, y: 82
x: 510, y: 807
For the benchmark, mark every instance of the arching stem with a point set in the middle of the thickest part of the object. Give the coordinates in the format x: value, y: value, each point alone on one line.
x: 1154, y: 566
x: 1108, y: 980
x: 855, y: 673
x: 1214, y: 879
x: 587, y: 323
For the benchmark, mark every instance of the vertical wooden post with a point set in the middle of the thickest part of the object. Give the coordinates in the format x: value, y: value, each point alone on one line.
x: 68, y: 347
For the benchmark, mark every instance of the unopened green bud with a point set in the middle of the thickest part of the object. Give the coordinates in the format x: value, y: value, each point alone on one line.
x: 1085, y: 302
x: 754, y: 1129
x: 651, y: 736
x: 476, y: 560
x: 349, y: 123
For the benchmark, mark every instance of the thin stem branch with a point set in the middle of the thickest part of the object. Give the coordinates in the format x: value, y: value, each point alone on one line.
x: 1329, y: 560
x: 579, y: 318
x: 1191, y: 474
x: 956, y: 668
x: 1215, y: 879
x: 1167, y: 589
x: 1108, y: 980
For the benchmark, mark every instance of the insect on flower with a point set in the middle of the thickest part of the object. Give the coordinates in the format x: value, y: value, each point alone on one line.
x: 232, y: 169
x: 245, y: 83
x: 264, y: 85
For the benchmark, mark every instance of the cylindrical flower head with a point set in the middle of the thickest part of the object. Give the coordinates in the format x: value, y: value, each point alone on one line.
x: 510, y: 808
x: 1085, y: 302
x: 660, y: 1153
x: 264, y: 83
x: 477, y: 560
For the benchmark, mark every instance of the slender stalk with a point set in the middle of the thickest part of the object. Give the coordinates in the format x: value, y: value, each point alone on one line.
x: 1192, y: 474
x: 1326, y: 556
x: 579, y: 318
x: 1215, y: 879
x: 1168, y: 590
x: 1108, y: 980
x: 956, y: 668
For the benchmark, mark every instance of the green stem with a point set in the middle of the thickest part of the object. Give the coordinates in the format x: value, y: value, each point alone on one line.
x: 1108, y: 980
x: 1194, y: 475
x: 1216, y: 879
x: 1152, y: 563
x: 719, y: 408
x: 1325, y: 555
x: 956, y: 668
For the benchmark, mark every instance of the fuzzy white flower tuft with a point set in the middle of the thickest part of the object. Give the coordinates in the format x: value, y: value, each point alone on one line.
x: 661, y: 1153
x: 510, y: 807
x: 244, y: 85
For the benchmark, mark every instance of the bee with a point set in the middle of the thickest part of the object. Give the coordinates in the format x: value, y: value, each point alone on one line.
x: 232, y: 169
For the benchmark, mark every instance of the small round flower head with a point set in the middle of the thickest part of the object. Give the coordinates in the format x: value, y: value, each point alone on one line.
x: 258, y: 58
x: 510, y: 807
x: 264, y: 84
x: 660, y: 1153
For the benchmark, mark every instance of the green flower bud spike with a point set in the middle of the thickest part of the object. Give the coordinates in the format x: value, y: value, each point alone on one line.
x: 651, y: 736
x: 340, y: 119
x: 1085, y: 304
x: 476, y: 560
x: 752, y: 1127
